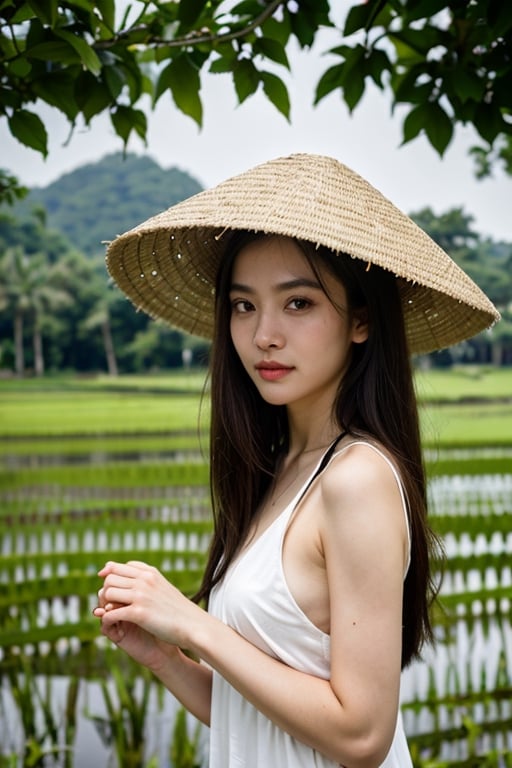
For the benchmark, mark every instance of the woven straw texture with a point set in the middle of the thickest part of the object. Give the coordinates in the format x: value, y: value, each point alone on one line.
x: 167, y: 265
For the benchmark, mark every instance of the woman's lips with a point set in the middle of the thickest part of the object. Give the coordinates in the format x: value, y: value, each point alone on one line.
x: 273, y: 371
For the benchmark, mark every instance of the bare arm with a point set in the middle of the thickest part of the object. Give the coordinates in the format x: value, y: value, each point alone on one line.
x: 350, y: 718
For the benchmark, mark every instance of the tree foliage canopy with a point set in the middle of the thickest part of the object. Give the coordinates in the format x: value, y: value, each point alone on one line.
x: 450, y: 63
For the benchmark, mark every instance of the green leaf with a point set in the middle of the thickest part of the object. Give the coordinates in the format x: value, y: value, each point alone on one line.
x: 358, y: 17
x: 421, y: 9
x: 45, y: 10
x: 272, y: 50
x: 303, y: 29
x: 247, y: 8
x: 376, y: 63
x: 343, y: 51
x: 500, y: 17
x: 277, y: 30
x: 416, y: 43
x: 28, y: 128
x: 182, y: 79
x: 19, y: 67
x: 353, y: 76
x: 330, y: 81
x: 126, y: 119
x: 86, y: 52
x: 246, y: 78
x: 276, y: 91
x: 10, y: 98
x: 161, y: 53
x: 488, y: 121
x: 57, y: 89
x: 221, y: 65
x: 107, y: 10
x: 36, y: 34
x: 438, y: 127
x: 467, y: 85
x: 92, y: 96
x: 53, y: 51
x: 406, y: 89
x: 23, y: 13
x: 113, y: 77
x: 189, y: 11
x: 414, y: 123
x: 133, y: 74
x: 122, y: 122
x: 353, y: 88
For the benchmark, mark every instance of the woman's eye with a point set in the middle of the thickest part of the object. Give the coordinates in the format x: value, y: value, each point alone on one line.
x: 299, y: 303
x: 241, y: 306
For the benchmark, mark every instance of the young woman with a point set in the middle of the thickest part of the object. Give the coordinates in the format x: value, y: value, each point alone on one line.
x: 318, y: 581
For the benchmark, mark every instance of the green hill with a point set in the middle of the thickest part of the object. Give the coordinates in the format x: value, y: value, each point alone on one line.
x: 100, y: 200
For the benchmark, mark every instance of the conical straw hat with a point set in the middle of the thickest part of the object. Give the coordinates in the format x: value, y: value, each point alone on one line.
x: 167, y: 265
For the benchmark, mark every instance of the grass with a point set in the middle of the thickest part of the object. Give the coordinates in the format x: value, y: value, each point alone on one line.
x: 108, y: 475
x: 95, y: 412
x: 98, y: 445
x: 465, y: 425
x: 469, y: 382
x: 172, y: 381
x: 80, y: 411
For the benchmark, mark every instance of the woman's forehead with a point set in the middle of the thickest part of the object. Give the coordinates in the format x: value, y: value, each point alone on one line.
x: 281, y: 263
x: 272, y: 254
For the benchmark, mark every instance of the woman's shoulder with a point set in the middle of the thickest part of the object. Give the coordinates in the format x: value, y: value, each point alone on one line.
x: 363, y: 496
x: 360, y: 467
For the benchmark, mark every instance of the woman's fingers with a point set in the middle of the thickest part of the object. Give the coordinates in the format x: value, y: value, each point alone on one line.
x: 129, y: 569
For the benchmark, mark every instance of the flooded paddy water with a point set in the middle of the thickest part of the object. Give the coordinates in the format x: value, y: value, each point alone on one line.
x: 66, y: 692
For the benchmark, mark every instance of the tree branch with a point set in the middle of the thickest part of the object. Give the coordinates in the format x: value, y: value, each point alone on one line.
x: 195, y: 38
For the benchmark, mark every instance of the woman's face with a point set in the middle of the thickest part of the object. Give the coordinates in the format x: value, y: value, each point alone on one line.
x: 292, y: 340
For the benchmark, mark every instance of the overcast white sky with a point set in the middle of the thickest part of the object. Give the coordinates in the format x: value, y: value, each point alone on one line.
x: 235, y: 138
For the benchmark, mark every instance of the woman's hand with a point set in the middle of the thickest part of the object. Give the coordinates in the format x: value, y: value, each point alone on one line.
x: 143, y: 647
x: 142, y: 612
x: 149, y: 619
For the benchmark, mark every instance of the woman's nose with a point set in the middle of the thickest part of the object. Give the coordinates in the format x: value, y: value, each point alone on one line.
x: 268, y: 333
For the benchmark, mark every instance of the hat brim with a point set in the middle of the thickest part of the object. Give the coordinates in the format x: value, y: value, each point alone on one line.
x: 167, y: 266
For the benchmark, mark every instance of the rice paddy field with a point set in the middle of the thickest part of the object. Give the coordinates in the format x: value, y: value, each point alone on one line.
x: 98, y: 468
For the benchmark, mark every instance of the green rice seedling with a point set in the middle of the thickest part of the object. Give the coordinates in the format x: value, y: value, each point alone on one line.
x: 96, y: 413
x: 474, y: 465
x: 41, y: 726
x: 113, y: 475
x: 474, y: 525
x: 9, y: 761
x: 124, y: 726
x: 18, y: 451
x: 464, y: 425
x: 184, y: 751
x: 464, y: 383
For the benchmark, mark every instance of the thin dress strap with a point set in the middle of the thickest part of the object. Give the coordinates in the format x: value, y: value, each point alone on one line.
x: 401, y: 489
x: 325, y: 460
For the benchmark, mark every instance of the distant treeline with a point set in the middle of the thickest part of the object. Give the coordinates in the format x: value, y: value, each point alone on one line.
x: 59, y: 312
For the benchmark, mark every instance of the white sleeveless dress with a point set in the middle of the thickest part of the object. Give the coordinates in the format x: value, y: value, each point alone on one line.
x: 254, y: 599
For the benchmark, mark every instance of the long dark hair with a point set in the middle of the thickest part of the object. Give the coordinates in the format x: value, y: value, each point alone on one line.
x: 376, y: 397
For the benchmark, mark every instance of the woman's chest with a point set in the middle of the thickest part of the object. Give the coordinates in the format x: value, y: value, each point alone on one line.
x: 281, y: 572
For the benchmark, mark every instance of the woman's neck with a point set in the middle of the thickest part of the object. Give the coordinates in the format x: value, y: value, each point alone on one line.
x: 309, y: 437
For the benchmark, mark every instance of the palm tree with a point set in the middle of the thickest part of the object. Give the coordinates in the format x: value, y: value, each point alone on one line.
x: 13, y: 297
x: 99, y: 317
x: 28, y: 289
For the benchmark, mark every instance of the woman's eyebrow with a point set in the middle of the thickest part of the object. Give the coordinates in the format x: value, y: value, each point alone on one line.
x: 288, y: 285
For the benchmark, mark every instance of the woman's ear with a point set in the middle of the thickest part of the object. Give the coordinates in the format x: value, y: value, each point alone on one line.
x: 360, y: 325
